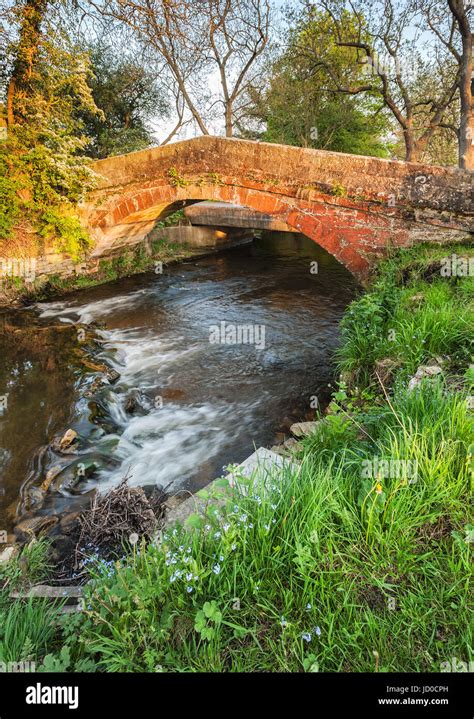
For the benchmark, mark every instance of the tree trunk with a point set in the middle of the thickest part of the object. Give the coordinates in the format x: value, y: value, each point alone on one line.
x: 466, y: 127
x: 466, y: 134
x: 31, y: 18
x: 229, y: 127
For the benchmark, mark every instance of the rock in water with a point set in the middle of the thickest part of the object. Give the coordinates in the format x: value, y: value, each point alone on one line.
x: 65, y: 442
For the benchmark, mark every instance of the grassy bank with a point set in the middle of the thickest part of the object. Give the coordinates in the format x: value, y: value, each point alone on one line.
x: 359, y: 559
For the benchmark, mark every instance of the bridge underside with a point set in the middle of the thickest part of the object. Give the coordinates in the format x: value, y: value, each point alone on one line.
x: 353, y: 207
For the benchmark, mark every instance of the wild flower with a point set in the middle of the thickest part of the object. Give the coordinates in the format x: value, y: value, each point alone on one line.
x: 234, y: 547
x: 308, y: 607
x: 317, y: 631
x: 306, y: 636
x: 217, y: 535
x: 283, y: 622
x: 216, y: 568
x: 189, y: 590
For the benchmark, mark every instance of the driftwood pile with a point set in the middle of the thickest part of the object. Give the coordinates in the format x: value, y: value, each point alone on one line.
x: 122, y: 516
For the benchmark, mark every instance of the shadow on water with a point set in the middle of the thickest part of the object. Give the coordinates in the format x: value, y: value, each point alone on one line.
x: 182, y: 407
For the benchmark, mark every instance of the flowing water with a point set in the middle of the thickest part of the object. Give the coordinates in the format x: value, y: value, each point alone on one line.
x: 183, y: 407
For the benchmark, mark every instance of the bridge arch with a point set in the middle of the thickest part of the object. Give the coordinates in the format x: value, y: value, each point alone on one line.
x: 131, y: 219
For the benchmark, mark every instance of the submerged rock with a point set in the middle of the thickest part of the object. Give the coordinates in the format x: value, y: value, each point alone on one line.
x: 35, y: 498
x: 50, y: 476
x: 64, y: 444
x: 32, y: 527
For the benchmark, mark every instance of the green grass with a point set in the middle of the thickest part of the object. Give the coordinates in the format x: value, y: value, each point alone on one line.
x: 408, y: 319
x: 328, y: 567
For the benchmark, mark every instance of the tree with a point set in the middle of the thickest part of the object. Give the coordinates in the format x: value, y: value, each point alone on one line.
x: 238, y: 35
x: 454, y: 32
x: 397, y: 51
x: 129, y: 97
x: 195, y: 40
x: 43, y: 170
x: 29, y: 16
x: 295, y: 106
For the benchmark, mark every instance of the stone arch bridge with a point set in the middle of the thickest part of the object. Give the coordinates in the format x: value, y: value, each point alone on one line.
x: 354, y: 207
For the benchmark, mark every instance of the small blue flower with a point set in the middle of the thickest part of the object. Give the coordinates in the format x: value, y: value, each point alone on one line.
x: 317, y: 630
x: 306, y: 636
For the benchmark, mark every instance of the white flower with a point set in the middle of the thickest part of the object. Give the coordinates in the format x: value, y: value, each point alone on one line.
x: 216, y: 568
x: 306, y: 636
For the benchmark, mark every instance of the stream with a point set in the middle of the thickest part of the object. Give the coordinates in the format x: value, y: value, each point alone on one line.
x: 177, y: 407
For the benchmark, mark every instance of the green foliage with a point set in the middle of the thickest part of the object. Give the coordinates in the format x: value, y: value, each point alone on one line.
x: 411, y: 323
x: 128, y: 96
x: 295, y: 106
x: 66, y: 230
x: 26, y: 629
x: 10, y: 203
x: 43, y: 156
x: 30, y: 566
x: 176, y: 180
x: 339, y: 190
